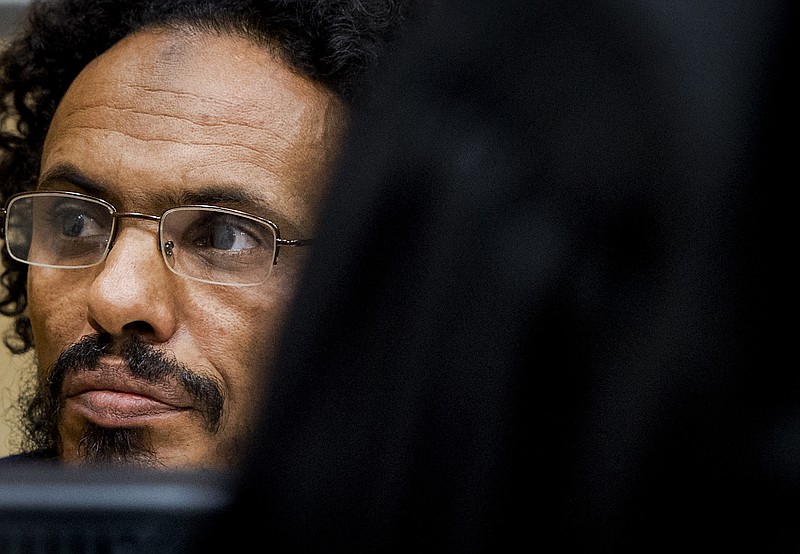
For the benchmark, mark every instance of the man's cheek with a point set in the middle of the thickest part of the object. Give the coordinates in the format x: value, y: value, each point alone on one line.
x: 57, y: 316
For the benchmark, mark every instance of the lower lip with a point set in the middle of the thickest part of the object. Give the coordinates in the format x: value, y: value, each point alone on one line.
x: 119, y: 409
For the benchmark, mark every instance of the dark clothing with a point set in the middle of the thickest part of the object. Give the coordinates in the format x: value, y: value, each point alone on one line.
x: 33, y: 456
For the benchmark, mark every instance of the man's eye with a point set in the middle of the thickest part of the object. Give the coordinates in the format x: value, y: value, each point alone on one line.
x: 74, y: 222
x: 229, y: 234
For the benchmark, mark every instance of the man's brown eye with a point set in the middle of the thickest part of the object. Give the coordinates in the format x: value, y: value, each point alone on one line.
x: 223, y: 232
x: 72, y: 224
x: 72, y: 219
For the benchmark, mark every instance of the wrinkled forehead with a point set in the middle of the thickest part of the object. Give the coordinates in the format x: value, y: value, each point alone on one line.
x: 198, y: 107
x: 208, y: 78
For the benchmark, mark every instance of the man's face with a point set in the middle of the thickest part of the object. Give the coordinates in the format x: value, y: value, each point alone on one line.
x: 160, y: 120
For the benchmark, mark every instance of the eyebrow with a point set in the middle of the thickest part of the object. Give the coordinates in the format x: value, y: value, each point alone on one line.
x: 214, y: 195
x: 72, y: 175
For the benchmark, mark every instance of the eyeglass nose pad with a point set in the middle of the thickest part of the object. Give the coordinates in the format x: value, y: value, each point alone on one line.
x: 168, y: 246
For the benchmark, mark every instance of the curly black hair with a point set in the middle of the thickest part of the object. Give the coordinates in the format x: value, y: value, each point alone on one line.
x: 334, y: 42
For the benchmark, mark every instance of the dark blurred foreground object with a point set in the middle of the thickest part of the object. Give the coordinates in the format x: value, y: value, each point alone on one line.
x: 548, y: 305
x: 48, y: 509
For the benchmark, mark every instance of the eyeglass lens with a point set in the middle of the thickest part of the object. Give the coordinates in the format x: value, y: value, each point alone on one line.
x: 203, y: 243
x: 217, y: 246
x: 58, y: 230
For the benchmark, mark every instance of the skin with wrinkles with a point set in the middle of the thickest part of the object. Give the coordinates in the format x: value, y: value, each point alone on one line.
x: 166, y: 118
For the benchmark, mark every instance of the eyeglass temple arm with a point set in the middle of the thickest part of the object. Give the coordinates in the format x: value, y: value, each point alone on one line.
x: 295, y: 242
x: 284, y: 242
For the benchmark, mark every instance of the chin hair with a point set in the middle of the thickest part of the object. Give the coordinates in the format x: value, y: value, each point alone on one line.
x: 41, y: 403
x: 103, y: 445
x: 98, y: 445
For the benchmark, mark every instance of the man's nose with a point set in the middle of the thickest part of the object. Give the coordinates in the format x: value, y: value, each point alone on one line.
x: 134, y: 290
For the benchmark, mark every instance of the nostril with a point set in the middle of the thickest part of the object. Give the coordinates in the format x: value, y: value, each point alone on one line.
x: 139, y: 327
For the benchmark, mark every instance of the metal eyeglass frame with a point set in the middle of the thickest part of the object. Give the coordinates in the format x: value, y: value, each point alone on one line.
x: 164, y: 248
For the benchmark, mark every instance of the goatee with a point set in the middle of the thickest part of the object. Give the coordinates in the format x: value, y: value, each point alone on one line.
x: 42, y: 406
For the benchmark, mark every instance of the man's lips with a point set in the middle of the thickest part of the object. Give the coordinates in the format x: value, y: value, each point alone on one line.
x: 111, y: 396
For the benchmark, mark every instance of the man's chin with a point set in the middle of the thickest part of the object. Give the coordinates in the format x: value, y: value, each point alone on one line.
x: 164, y: 447
x: 111, y: 446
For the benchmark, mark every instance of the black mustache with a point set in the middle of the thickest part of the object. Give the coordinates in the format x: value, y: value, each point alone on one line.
x: 144, y: 362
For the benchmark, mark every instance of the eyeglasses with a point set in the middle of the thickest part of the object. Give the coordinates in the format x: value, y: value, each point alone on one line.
x: 214, y: 245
